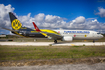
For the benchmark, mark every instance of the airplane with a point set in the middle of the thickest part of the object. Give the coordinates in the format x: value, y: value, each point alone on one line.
x: 63, y: 35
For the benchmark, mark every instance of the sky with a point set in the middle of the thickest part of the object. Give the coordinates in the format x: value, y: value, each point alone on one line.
x: 55, y: 14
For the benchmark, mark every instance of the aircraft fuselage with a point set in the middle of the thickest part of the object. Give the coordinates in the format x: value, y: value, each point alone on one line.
x: 75, y: 34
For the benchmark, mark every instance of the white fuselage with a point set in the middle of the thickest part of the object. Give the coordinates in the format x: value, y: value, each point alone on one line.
x: 80, y: 34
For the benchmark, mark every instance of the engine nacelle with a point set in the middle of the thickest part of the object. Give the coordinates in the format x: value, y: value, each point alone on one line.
x: 67, y: 38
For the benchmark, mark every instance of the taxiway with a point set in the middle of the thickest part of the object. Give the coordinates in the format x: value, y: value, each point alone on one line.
x: 53, y: 44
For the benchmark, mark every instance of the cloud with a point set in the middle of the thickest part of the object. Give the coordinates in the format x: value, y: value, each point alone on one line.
x: 26, y: 20
x: 101, y: 12
x: 40, y: 17
x: 51, y: 21
x: 80, y: 19
x: 4, y: 17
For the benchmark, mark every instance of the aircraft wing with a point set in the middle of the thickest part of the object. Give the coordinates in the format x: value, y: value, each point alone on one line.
x: 53, y: 36
x: 46, y: 34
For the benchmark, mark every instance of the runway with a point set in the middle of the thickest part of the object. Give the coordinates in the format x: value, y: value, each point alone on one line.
x: 53, y: 44
x: 97, y: 66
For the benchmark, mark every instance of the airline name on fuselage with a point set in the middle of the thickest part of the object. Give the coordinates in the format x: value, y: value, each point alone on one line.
x: 76, y: 32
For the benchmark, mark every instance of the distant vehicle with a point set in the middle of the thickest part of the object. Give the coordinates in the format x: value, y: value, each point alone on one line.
x: 64, y: 35
x: 2, y: 34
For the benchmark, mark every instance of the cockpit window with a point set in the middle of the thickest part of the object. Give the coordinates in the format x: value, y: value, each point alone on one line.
x: 98, y: 33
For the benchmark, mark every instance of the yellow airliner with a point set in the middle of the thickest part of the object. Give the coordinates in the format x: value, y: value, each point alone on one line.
x: 64, y: 35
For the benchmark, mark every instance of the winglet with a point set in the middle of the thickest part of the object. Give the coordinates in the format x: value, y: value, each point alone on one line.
x: 35, y: 26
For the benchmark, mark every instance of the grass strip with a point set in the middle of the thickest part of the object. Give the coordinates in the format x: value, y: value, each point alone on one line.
x: 8, y: 53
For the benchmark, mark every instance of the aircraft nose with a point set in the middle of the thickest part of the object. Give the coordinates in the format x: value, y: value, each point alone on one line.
x: 102, y: 36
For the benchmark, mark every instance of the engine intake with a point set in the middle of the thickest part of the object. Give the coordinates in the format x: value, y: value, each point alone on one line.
x: 67, y: 38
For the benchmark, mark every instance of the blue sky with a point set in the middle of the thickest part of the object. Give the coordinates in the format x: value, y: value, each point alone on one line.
x: 68, y: 10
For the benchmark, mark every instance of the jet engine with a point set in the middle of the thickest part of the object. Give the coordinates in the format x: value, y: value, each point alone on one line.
x: 67, y: 38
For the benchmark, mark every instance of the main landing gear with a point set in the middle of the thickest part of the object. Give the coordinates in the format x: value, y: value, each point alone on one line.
x: 93, y: 41
x: 55, y: 41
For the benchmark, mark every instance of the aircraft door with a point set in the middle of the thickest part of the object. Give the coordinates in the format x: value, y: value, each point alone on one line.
x: 24, y: 33
x: 93, y: 34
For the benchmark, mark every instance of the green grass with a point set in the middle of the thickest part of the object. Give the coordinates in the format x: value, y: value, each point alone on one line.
x: 49, y: 52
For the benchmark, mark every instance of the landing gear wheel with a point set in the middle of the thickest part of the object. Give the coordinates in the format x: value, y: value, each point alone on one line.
x: 55, y: 41
x: 93, y: 41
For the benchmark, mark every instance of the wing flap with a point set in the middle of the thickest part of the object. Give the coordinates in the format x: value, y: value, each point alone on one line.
x: 54, y: 36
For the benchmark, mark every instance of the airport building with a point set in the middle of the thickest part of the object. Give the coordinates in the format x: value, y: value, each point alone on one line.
x: 3, y: 35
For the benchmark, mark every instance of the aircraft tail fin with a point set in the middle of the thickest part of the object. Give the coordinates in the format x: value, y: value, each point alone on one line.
x: 35, y: 26
x: 15, y: 23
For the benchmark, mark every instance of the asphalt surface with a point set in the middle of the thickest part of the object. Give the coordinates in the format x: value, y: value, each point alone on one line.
x: 53, y: 44
x: 98, y: 66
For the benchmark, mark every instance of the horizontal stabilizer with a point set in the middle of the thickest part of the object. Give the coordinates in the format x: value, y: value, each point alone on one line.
x: 12, y: 31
